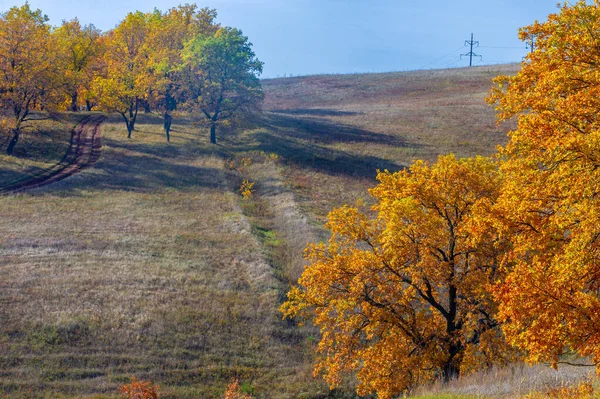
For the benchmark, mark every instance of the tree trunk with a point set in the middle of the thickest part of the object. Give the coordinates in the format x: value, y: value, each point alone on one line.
x: 147, y: 109
x: 451, y: 370
x: 127, y: 123
x: 74, y: 102
x: 213, y: 132
x: 129, y: 130
x: 88, y: 105
x: 13, y: 141
x: 132, y: 117
x: 168, y: 119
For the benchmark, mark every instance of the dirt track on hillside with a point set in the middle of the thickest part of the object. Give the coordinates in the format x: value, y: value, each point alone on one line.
x: 84, y: 150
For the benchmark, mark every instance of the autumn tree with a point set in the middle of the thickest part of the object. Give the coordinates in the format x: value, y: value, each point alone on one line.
x: 167, y: 35
x: 78, y: 46
x: 28, y: 75
x: 550, y: 204
x: 221, y: 76
x: 128, y: 78
x: 401, y: 298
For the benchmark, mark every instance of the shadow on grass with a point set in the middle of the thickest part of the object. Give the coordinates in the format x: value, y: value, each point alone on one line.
x: 315, y: 112
x: 318, y: 157
x: 299, y: 140
x: 324, y: 131
x: 139, y: 165
x: 139, y: 172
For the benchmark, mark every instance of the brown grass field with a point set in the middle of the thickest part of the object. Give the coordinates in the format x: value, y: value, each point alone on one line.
x: 152, y: 264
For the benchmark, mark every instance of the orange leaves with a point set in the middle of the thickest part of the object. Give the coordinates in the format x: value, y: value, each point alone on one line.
x: 29, y: 76
x: 402, y: 297
x: 137, y: 389
x: 234, y: 391
x: 549, y: 206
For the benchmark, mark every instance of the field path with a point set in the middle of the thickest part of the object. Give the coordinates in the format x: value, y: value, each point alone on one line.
x: 84, y: 150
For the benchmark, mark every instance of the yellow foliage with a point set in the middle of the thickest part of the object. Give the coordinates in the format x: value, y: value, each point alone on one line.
x: 402, y: 298
x: 247, y: 188
x: 550, y: 205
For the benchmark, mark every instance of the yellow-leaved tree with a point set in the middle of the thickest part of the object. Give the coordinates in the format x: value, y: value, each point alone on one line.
x: 402, y: 298
x: 167, y: 36
x: 79, y: 47
x: 550, y: 203
x: 28, y: 68
x: 127, y: 78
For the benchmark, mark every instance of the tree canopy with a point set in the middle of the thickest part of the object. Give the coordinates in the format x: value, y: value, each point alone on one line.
x: 402, y: 297
x: 28, y: 73
x: 221, y: 76
x: 161, y: 60
x: 550, y: 205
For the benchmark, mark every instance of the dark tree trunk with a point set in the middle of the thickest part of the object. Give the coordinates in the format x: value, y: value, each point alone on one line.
x: 213, y: 132
x: 88, y: 105
x: 147, y: 109
x: 132, y: 124
x: 13, y: 141
x: 74, y: 102
x: 168, y: 119
x: 451, y: 370
x: 128, y: 123
x: 133, y: 111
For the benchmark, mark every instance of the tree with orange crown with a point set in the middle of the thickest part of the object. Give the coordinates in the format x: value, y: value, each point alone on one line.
x: 550, y: 203
x: 403, y: 298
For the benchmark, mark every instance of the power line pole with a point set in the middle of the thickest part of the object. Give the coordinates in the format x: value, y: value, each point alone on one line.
x: 531, y: 44
x: 471, y: 54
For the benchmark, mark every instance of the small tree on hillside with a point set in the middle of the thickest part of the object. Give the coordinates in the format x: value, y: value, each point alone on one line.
x: 402, y: 298
x: 221, y: 76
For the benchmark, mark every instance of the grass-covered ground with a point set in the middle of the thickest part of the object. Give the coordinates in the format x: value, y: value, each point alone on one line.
x: 42, y: 145
x: 146, y: 265
x: 152, y: 264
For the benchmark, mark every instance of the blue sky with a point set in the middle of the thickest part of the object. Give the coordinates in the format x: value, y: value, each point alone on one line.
x: 300, y: 37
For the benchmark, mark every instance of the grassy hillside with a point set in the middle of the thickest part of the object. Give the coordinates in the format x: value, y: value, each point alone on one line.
x: 151, y: 263
x: 337, y: 130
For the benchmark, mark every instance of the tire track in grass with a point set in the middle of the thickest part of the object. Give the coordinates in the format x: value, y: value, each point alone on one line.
x: 84, y: 150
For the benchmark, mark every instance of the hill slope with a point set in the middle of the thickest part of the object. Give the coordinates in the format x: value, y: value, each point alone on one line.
x: 150, y: 263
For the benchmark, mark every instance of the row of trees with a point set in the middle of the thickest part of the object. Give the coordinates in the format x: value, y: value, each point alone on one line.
x: 467, y: 263
x: 179, y: 58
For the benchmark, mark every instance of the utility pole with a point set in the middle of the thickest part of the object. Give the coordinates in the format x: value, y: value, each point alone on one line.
x: 531, y: 44
x: 471, y: 54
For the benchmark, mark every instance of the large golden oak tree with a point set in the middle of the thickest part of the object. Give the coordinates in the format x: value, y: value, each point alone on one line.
x: 550, y: 203
x: 402, y: 297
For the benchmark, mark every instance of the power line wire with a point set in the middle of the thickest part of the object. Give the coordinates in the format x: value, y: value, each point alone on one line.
x: 503, y: 47
x: 442, y: 57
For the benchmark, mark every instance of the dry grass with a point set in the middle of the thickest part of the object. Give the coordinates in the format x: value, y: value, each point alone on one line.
x: 151, y: 263
x: 512, y: 382
x: 42, y: 145
x: 335, y: 131
x: 141, y: 265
